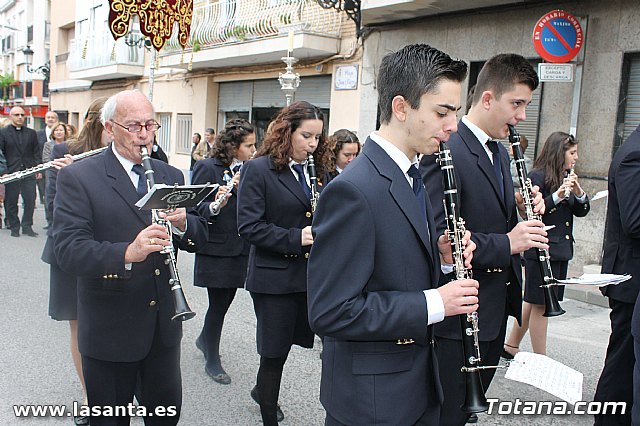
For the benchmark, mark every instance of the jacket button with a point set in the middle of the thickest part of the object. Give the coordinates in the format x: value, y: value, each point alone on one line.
x: 308, y: 214
x: 152, y: 303
x: 306, y: 255
x: 567, y: 237
x: 157, y: 272
x: 567, y: 223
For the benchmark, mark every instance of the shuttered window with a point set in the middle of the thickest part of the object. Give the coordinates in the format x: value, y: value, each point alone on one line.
x: 632, y: 107
x: 164, y: 133
x: 183, y: 133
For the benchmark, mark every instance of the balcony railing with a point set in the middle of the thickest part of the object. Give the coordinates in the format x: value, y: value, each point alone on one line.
x: 99, y: 50
x: 235, y: 21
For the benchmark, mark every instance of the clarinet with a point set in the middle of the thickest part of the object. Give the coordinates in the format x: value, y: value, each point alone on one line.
x: 215, y: 205
x: 313, y: 179
x: 182, y: 310
x: 567, y: 191
x: 551, y: 304
x: 475, y: 400
x: 21, y: 174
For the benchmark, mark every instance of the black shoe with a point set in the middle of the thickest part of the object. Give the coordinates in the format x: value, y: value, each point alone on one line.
x: 219, y: 376
x: 473, y: 418
x: 29, y: 232
x: 200, y: 345
x: 279, y: 413
x: 81, y: 420
x: 505, y: 355
x: 15, y: 233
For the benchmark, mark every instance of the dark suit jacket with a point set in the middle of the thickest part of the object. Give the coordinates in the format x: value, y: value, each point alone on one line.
x: 272, y: 210
x: 561, y: 215
x: 59, y: 151
x: 489, y: 217
x: 622, y: 238
x: 95, y: 220
x: 3, y: 163
x: 223, y: 238
x: 20, y: 156
x: 371, y: 259
x: 42, y: 139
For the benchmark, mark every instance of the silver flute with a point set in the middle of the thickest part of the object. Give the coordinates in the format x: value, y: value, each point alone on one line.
x: 567, y: 190
x: 21, y: 174
x: 215, y: 206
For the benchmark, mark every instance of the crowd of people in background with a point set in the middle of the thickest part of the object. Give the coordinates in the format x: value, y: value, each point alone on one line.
x: 380, y: 291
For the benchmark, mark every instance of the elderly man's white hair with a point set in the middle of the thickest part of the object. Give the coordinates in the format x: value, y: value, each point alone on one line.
x: 110, y: 106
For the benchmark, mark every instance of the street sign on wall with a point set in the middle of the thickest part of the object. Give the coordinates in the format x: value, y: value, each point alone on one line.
x: 555, y: 72
x: 558, y: 36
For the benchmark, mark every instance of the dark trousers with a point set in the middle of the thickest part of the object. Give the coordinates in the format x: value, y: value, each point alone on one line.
x: 616, y: 380
x: 450, y: 359
x: 156, y: 380
x: 41, y: 183
x: 27, y: 188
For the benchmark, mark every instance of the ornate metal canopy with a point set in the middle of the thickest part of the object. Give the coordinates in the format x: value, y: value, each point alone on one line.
x: 157, y: 18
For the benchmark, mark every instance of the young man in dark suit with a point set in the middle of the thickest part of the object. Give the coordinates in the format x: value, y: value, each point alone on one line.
x: 622, y: 256
x: 375, y: 262
x: 488, y: 206
x: 20, y: 147
x: 125, y: 332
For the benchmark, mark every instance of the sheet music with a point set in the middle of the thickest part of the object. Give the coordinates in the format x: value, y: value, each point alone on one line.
x: 600, y: 194
x: 596, y: 279
x: 176, y: 195
x: 547, y: 374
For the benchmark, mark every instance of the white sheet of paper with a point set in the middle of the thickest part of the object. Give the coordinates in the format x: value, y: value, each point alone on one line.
x: 547, y: 374
x: 596, y: 279
x: 600, y: 194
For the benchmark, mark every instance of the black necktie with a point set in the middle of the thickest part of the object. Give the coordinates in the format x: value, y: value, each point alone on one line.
x: 493, y: 146
x: 418, y: 189
x: 142, y: 179
x: 299, y: 168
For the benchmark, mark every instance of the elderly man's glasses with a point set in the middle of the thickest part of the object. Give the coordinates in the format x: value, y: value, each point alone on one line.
x: 137, y: 127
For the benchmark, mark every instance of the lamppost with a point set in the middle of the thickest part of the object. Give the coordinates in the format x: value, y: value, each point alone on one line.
x: 42, y: 69
x: 289, y: 81
x: 131, y: 40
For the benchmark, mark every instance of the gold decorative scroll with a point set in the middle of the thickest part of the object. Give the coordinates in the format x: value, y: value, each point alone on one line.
x: 157, y: 18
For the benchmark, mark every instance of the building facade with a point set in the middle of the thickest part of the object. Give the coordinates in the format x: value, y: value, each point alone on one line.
x: 229, y: 69
x: 25, y: 27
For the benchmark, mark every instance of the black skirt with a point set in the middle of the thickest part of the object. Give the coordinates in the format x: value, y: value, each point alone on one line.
x: 63, y: 294
x: 282, y: 321
x: 532, y: 290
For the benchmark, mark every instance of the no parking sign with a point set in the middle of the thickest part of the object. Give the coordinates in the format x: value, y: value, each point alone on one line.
x: 558, y: 36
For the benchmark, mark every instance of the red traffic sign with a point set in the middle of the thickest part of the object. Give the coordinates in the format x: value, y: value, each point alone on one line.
x: 558, y: 36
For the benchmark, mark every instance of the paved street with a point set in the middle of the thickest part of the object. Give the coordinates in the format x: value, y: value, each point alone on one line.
x: 37, y: 367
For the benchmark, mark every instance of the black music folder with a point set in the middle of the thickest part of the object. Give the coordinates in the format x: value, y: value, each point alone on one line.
x: 162, y: 196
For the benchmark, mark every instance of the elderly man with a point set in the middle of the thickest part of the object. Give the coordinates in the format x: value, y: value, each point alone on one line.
x: 20, y: 147
x: 125, y: 331
x: 50, y: 119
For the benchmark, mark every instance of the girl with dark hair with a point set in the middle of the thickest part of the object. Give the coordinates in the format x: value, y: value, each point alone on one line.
x: 344, y: 147
x: 221, y: 265
x: 553, y: 172
x: 274, y: 215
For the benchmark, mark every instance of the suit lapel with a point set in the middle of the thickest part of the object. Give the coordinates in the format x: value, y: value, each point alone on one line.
x: 291, y: 183
x: 403, y: 195
x: 121, y: 184
x: 484, y: 164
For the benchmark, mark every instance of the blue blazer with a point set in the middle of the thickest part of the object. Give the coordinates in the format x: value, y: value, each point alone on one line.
x: 372, y: 257
x: 622, y: 237
x: 224, y: 250
x: 95, y: 220
x: 272, y: 210
x: 489, y: 217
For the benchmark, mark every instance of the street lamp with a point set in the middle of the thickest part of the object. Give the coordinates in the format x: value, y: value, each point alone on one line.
x: 131, y: 40
x: 350, y: 7
x: 28, y: 57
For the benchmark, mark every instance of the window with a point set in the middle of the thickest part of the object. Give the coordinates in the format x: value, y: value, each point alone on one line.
x: 183, y: 134
x: 164, y: 133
